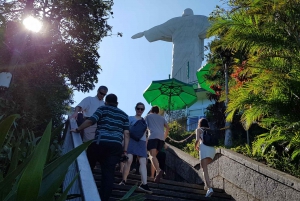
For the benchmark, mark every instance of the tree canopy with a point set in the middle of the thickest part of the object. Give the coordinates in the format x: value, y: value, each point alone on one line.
x: 47, y: 66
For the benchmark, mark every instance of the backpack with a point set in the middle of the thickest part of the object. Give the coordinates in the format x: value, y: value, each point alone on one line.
x: 138, y: 129
x: 209, y: 138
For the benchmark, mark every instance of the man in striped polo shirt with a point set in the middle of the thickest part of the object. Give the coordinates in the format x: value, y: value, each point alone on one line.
x: 106, y: 148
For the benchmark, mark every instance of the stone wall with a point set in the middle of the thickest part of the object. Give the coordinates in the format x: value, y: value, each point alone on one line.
x: 181, y: 166
x: 241, y: 177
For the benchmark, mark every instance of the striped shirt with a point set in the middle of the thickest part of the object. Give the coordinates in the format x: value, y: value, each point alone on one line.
x: 111, y: 123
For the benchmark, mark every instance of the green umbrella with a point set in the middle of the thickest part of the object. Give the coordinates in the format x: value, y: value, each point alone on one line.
x: 201, y: 77
x: 170, y: 94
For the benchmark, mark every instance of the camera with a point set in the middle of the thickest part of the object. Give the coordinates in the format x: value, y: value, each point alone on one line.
x: 123, y: 158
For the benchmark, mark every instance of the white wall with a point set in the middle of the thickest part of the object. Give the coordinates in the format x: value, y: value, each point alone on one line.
x: 200, y: 106
x: 197, y: 110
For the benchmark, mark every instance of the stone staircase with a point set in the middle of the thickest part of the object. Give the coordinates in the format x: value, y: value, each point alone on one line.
x: 164, y: 191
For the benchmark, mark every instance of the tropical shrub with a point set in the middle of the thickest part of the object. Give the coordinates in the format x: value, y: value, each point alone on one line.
x: 263, y: 39
x: 128, y: 197
x: 178, y: 136
x: 190, y: 149
x: 32, y: 173
x: 280, y: 160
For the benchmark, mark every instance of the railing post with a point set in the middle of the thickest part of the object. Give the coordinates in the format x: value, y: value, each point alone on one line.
x: 85, y: 185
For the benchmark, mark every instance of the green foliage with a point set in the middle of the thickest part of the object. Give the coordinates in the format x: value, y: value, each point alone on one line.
x: 287, y: 138
x: 263, y: 38
x: 20, y: 144
x: 190, y: 149
x: 69, y: 43
x: 178, y: 133
x: 5, y: 127
x: 65, y: 195
x: 270, y: 58
x: 282, y: 163
x: 37, y: 103
x: 280, y: 160
x: 215, y: 114
x: 128, y: 197
x: 244, y: 149
x: 30, y: 175
x: 47, y: 66
x: 29, y: 183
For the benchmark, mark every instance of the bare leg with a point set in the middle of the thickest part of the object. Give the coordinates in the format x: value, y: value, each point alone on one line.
x: 143, y: 169
x: 152, y: 172
x: 204, y: 164
x: 121, y: 164
x: 154, y: 161
x: 126, y: 167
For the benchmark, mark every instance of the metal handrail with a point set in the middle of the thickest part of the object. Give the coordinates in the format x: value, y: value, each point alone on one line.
x: 85, y: 185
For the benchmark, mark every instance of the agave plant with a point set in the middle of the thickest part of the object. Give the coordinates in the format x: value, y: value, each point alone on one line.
x: 30, y: 177
x: 128, y: 197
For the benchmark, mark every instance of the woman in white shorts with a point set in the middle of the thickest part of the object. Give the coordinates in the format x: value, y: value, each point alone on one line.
x: 206, y: 153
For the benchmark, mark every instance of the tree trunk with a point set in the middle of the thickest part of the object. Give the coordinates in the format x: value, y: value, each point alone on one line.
x: 228, y: 135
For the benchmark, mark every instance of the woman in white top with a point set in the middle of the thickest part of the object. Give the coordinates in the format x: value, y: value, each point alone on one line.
x: 206, y: 153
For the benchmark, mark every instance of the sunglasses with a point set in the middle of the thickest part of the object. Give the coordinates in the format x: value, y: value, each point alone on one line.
x: 138, y: 108
x: 103, y: 94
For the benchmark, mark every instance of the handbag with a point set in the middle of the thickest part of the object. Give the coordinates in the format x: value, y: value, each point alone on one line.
x: 137, y: 130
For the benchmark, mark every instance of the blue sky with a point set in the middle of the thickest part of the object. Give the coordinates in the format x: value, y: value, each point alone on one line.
x: 129, y: 66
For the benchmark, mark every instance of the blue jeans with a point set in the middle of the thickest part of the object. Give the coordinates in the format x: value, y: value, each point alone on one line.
x: 108, y: 155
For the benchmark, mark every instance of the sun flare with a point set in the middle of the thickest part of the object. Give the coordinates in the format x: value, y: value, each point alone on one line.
x: 32, y: 24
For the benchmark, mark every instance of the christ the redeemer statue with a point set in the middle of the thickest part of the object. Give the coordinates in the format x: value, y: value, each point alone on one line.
x: 187, y: 34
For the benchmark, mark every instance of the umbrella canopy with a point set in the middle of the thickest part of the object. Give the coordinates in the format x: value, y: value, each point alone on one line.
x: 170, y: 94
x: 201, y: 77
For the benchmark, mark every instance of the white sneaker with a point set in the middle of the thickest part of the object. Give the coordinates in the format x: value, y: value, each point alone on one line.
x: 133, y: 171
x: 209, y: 192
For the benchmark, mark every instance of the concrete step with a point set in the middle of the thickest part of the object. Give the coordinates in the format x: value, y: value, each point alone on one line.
x: 165, y: 190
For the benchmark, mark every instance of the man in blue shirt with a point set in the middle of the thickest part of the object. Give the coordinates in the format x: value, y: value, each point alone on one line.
x: 107, y: 148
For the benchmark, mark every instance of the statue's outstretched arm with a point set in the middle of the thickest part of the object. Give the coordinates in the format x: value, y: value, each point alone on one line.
x: 138, y: 35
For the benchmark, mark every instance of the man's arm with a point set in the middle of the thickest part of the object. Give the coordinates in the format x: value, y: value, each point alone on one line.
x: 84, y: 125
x: 75, y: 114
x: 126, y: 139
x: 197, y: 139
x: 80, y: 107
x: 197, y: 145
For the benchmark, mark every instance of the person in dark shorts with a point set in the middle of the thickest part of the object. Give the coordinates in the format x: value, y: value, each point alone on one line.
x: 158, y: 132
x: 161, y: 157
x: 107, y: 147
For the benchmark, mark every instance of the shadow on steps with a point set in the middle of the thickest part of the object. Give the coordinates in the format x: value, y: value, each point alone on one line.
x: 165, y: 190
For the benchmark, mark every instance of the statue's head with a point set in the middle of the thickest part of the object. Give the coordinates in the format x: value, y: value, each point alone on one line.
x: 187, y: 12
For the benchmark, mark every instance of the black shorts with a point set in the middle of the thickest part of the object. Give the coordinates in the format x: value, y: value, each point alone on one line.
x: 155, y: 144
